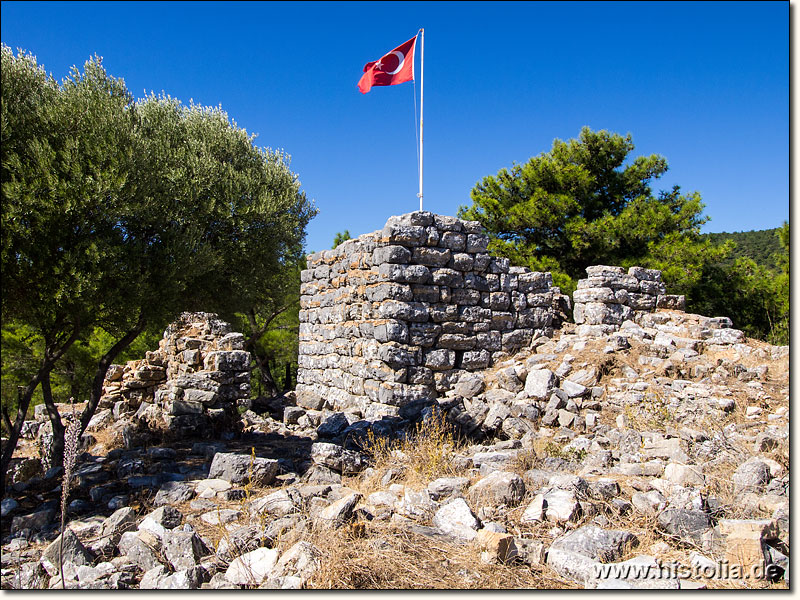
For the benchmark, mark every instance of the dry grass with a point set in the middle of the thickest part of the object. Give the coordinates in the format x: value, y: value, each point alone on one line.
x: 388, y: 557
x: 422, y: 456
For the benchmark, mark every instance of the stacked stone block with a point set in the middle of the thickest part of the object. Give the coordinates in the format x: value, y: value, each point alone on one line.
x: 610, y: 296
x: 398, y: 315
x: 196, y: 376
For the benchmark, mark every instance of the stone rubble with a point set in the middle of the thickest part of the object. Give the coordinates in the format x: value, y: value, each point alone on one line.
x: 620, y: 440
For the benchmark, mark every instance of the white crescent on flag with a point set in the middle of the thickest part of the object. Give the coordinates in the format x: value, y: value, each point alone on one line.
x: 401, y: 59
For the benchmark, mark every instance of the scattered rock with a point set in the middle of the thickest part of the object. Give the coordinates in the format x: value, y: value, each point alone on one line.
x: 252, y: 568
x: 456, y: 518
x: 243, y: 469
x: 74, y: 552
x: 603, y: 545
x: 499, y: 487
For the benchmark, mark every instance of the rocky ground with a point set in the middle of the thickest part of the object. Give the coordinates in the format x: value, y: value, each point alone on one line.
x: 653, y: 457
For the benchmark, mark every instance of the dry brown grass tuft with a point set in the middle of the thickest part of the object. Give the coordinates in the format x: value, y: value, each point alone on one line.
x: 388, y: 557
x: 423, y: 455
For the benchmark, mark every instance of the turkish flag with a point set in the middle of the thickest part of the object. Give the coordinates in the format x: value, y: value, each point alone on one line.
x: 392, y: 68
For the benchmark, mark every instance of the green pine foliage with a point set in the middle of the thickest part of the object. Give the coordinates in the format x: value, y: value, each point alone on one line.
x: 760, y: 246
x: 341, y: 236
x: 752, y: 289
x: 588, y: 202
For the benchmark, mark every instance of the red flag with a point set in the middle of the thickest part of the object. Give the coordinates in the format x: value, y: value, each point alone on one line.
x: 392, y: 68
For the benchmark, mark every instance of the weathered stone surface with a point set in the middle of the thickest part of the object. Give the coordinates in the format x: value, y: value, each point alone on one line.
x: 456, y: 518
x: 252, y: 568
x: 300, y: 561
x: 604, y: 545
x: 751, y: 476
x: 561, y: 506
x: 445, y: 487
x: 685, y: 475
x: 221, y: 516
x: 35, y: 521
x: 686, y: 525
x: 338, y: 513
x: 241, y: 468
x: 745, y: 541
x: 240, y: 541
x: 184, y: 549
x: 499, y: 487
x: 336, y: 457
x: 495, y: 546
x: 141, y: 548
x: 572, y: 565
x: 173, y: 492
x: 540, y: 383
x: 122, y: 520
x: 74, y: 552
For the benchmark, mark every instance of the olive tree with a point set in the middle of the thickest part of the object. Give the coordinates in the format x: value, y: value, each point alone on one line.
x: 121, y: 214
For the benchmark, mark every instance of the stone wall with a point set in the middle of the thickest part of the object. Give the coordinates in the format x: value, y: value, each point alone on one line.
x: 398, y: 315
x: 196, y: 376
x: 610, y: 296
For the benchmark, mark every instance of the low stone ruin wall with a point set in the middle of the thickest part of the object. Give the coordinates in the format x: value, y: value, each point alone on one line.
x: 610, y: 296
x: 398, y: 315
x: 196, y: 376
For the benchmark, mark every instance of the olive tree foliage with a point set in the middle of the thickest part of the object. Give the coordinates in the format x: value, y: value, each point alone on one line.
x: 121, y: 214
x: 585, y: 202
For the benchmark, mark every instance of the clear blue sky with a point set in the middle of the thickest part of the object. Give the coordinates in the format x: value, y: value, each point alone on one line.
x: 704, y: 84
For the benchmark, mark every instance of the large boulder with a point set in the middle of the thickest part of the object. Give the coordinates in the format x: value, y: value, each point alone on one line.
x: 456, y: 518
x: 243, y: 468
x: 74, y: 552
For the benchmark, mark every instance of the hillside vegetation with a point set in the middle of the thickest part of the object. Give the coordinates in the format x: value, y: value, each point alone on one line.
x: 761, y: 246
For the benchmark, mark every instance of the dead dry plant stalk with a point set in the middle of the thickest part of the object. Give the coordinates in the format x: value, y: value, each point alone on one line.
x: 424, y: 454
x: 70, y: 454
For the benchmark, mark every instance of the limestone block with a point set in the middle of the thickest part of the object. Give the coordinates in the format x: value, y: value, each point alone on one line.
x: 448, y: 277
x: 599, y: 294
x: 495, y: 547
x: 426, y: 293
x: 465, y: 297
x: 406, y: 235
x: 745, y: 541
x: 477, y: 242
x: 606, y: 271
x: 654, y: 288
x: 453, y: 240
x: 391, y: 254
x: 431, y: 257
x: 476, y: 359
x: 236, y: 360
x: 642, y: 274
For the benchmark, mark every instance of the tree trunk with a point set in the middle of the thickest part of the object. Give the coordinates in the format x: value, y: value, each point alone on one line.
x: 51, y: 356
x: 287, y: 380
x: 7, y: 420
x: 102, y: 368
x: 56, y: 457
x: 270, y: 388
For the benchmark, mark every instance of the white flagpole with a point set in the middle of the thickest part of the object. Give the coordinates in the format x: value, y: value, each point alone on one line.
x: 421, y: 95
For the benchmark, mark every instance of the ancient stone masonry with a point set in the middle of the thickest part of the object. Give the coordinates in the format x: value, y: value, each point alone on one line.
x: 398, y: 315
x: 195, y: 377
x: 609, y: 297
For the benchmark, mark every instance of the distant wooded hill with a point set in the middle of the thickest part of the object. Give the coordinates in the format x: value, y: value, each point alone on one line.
x: 761, y: 246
